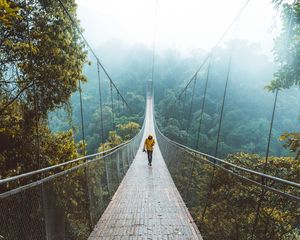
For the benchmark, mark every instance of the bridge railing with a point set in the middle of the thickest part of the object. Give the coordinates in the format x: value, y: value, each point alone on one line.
x: 29, y: 177
x: 231, y: 202
x: 63, y: 201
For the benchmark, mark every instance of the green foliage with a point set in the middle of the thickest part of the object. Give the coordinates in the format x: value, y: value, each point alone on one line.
x: 59, y: 120
x: 8, y: 12
x: 136, y: 103
x: 287, y: 46
x: 128, y: 131
x: 247, y: 111
x: 124, y: 132
x: 72, y: 201
x: 292, y: 142
x: 41, y: 64
x: 224, y: 206
x: 47, y: 63
x: 113, y: 140
x: 287, y: 55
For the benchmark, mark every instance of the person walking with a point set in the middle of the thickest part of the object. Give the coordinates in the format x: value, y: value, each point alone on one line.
x: 148, y: 146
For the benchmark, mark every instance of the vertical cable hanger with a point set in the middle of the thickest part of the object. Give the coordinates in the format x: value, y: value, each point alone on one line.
x: 80, y: 100
x: 217, y: 44
x: 183, y: 108
x: 270, y: 130
x: 192, y: 103
x: 81, y: 116
x: 76, y: 26
x: 118, y: 105
x: 203, y: 102
x: 100, y: 104
x: 184, y: 101
x: 41, y: 204
x: 112, y: 106
x: 84, y: 152
x: 220, y: 123
x: 225, y: 91
x: 36, y: 98
x: 263, y: 192
x: 277, y: 90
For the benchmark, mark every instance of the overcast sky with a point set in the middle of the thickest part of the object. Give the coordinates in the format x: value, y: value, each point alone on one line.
x: 181, y: 24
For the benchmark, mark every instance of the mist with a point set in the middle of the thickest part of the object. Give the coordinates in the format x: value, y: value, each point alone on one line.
x: 181, y: 25
x: 248, y: 105
x: 74, y: 117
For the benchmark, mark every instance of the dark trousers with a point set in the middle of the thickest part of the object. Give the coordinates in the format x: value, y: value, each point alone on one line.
x: 149, y: 156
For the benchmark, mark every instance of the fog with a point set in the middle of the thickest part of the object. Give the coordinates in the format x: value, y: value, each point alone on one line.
x: 181, y: 25
x: 122, y: 34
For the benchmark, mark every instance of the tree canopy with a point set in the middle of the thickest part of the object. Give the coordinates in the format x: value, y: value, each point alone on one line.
x: 41, y: 61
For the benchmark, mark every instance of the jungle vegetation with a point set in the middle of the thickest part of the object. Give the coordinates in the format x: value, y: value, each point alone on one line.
x: 43, y: 58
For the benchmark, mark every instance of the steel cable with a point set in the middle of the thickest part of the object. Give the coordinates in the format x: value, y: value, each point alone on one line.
x: 203, y: 102
x: 92, y: 51
x: 217, y: 44
x: 100, y: 104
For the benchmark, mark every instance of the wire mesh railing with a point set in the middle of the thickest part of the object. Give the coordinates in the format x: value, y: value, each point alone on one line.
x: 63, y: 201
x: 232, y: 202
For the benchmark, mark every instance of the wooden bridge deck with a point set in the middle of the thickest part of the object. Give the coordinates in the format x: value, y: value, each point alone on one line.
x: 147, y: 204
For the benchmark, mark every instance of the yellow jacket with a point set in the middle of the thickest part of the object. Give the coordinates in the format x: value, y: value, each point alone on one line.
x: 149, y: 143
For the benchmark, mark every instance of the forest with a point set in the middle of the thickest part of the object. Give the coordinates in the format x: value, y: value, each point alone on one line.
x: 247, y: 109
x: 52, y: 110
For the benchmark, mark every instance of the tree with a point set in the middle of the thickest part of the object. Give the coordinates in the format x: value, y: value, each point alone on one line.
x: 113, y: 140
x: 292, y: 142
x: 128, y: 131
x: 287, y: 55
x: 8, y: 12
x: 287, y: 46
x: 123, y: 133
x: 231, y: 206
x: 41, y: 60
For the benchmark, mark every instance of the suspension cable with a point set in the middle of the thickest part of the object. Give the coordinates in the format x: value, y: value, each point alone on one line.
x: 100, y: 104
x: 193, y: 77
x: 118, y: 108
x: 223, y: 104
x: 217, y: 44
x: 36, y: 98
x: 219, y: 128
x: 192, y: 103
x: 203, y: 102
x: 264, y: 191
x: 112, y: 107
x: 270, y: 130
x: 80, y: 99
x: 183, y: 103
x: 81, y: 116
x: 92, y: 51
x: 263, y: 181
x: 277, y: 90
x: 36, y: 109
x: 225, y: 92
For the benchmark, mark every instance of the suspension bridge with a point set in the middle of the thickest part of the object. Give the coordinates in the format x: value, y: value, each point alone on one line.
x: 147, y: 204
x: 114, y: 194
